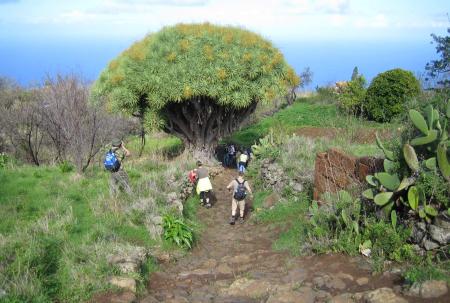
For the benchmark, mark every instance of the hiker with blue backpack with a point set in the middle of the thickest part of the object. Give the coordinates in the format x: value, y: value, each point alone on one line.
x: 113, y: 163
x: 240, y: 189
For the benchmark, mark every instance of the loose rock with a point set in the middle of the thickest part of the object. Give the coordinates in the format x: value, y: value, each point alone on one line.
x: 439, y: 234
x: 329, y: 282
x: 428, y: 289
x: 343, y: 298
x: 305, y: 295
x: 248, y: 288
x: 383, y: 295
x: 124, y: 282
x: 430, y: 245
x: 362, y: 281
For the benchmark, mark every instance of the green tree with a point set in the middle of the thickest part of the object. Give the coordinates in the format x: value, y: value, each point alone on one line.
x: 355, y: 73
x: 352, y: 96
x: 196, y: 81
x: 388, y: 92
x: 440, y: 69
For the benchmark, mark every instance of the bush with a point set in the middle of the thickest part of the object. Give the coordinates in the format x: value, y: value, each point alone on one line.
x: 427, y: 271
x: 386, y: 241
x: 325, y: 95
x: 434, y: 187
x: 388, y: 93
x: 352, y: 97
x: 3, y: 160
x: 65, y: 166
x: 177, y: 232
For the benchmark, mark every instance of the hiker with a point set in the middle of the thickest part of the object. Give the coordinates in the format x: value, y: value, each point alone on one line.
x: 113, y: 163
x: 243, y: 158
x: 204, y: 186
x: 240, y: 188
x: 229, y: 156
x: 238, y: 155
x: 249, y: 154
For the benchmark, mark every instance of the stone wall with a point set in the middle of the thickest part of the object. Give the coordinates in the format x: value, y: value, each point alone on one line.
x: 335, y: 170
x: 274, y: 177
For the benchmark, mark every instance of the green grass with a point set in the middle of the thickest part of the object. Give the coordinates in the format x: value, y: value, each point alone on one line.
x: 300, y: 114
x: 259, y: 197
x: 284, y: 215
x: 166, y: 145
x: 428, y: 271
x: 58, y: 227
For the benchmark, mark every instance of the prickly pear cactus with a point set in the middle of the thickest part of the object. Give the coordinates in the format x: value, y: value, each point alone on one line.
x: 428, y: 151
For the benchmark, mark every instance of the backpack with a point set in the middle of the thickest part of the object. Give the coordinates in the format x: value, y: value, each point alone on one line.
x: 241, y: 191
x: 192, y: 177
x: 111, y: 162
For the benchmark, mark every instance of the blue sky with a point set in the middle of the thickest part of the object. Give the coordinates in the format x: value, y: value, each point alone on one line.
x: 331, y: 36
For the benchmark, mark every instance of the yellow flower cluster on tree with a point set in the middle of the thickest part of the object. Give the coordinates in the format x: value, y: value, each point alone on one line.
x: 222, y: 65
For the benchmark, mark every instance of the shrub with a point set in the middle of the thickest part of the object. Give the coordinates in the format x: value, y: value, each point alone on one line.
x: 434, y: 187
x: 177, y: 232
x: 65, y: 166
x: 335, y: 226
x: 3, y: 160
x: 352, y: 97
x: 386, y: 241
x: 388, y: 93
x: 427, y: 271
x: 325, y: 95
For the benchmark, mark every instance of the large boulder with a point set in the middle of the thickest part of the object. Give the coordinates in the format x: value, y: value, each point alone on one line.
x: 428, y: 289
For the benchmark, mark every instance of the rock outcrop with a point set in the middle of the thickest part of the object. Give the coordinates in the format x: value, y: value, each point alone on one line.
x: 275, y: 178
x: 335, y: 171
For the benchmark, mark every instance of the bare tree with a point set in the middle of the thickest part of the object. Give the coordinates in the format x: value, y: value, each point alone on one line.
x: 77, y: 129
x: 21, y: 122
x: 306, y: 77
x: 55, y: 122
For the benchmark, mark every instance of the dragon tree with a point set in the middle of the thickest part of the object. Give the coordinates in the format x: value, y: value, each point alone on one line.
x: 198, y: 82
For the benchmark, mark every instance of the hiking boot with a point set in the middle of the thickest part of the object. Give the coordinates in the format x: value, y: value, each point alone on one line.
x: 208, y: 205
x: 241, y: 220
x: 232, y: 220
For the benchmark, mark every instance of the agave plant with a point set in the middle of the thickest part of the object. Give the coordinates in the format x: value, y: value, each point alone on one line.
x: 388, y: 189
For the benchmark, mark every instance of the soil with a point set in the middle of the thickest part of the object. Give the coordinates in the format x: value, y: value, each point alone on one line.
x: 236, y: 264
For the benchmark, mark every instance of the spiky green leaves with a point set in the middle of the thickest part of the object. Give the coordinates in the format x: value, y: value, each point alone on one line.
x: 233, y: 66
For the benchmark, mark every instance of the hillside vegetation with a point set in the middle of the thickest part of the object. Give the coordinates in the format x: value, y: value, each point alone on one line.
x: 58, y: 227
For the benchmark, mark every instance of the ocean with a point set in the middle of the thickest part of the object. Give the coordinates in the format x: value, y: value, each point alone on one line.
x: 28, y: 62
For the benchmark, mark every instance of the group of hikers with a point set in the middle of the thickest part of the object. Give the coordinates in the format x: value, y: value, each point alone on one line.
x: 239, y: 187
x: 240, y: 157
x: 199, y: 176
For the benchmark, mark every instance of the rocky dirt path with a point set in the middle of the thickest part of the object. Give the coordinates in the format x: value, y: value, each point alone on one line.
x: 236, y: 264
